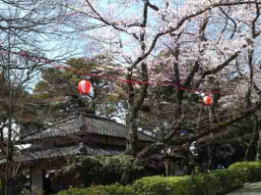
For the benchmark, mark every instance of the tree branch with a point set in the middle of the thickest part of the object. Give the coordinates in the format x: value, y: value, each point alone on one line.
x: 216, y: 127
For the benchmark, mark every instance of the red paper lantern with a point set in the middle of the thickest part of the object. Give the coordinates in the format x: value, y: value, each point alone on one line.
x: 208, y: 100
x: 84, y: 87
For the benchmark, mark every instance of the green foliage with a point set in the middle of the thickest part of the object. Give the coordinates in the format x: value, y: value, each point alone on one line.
x: 60, y: 86
x: 86, y: 170
x: 164, y: 185
x: 247, y: 171
x: 214, y: 183
x: 100, y: 190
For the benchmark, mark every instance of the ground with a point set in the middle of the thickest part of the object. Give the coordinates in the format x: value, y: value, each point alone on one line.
x: 248, y: 189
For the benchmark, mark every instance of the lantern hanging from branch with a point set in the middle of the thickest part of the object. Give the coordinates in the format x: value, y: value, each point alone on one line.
x: 208, y: 100
x: 84, y: 87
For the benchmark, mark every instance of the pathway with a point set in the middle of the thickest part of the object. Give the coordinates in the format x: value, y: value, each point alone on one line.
x: 248, y: 189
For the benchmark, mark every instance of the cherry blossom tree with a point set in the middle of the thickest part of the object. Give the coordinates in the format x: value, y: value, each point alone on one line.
x: 185, y: 43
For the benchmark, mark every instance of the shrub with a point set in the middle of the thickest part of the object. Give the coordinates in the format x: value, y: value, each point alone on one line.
x: 247, y: 171
x: 83, y: 171
x: 99, y: 190
x: 164, y: 185
x: 216, y: 182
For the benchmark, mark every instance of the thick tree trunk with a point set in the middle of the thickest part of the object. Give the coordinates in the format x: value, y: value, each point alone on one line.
x: 9, y: 159
x: 132, y: 137
x: 251, y: 150
x: 257, y: 156
x: 10, y: 185
x: 134, y: 102
x: 132, y: 134
x: 2, y: 186
x: 258, y: 137
x: 167, y: 166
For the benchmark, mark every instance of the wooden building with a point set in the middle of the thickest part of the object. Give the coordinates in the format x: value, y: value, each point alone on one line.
x: 82, y: 134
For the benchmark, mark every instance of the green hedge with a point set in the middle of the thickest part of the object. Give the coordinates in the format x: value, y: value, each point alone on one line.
x: 116, y: 189
x: 164, y: 185
x: 214, y: 183
x: 247, y: 171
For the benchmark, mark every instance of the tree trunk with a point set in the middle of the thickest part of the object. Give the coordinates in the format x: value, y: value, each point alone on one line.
x: 10, y: 186
x: 132, y: 137
x: 167, y: 166
x: 134, y: 103
x: 3, y: 186
x: 251, y: 150
x: 258, y: 136
x: 258, y: 145
x: 9, y: 159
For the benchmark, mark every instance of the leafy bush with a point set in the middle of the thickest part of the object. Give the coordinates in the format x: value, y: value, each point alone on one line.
x: 216, y: 182
x: 99, y: 190
x: 164, y: 185
x: 83, y: 171
x: 247, y: 171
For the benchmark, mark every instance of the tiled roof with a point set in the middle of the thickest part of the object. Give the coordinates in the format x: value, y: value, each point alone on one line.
x: 83, y: 124
x: 62, y: 152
